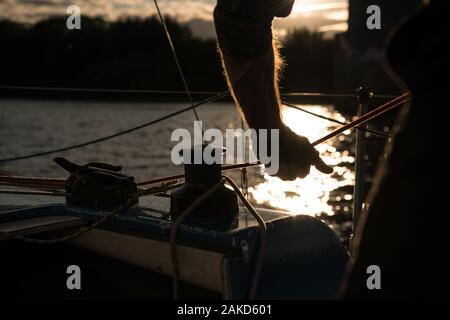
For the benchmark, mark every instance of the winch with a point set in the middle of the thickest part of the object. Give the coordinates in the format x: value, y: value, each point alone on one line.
x: 275, y: 255
x: 220, y: 209
x: 97, y: 185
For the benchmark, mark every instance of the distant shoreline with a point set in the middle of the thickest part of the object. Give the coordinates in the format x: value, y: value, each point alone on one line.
x: 141, y: 96
x: 98, y: 96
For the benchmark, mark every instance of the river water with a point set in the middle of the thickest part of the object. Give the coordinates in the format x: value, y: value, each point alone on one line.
x: 28, y: 126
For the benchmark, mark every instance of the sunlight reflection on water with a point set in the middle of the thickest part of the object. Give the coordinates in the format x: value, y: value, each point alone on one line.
x: 309, y: 195
x: 44, y: 125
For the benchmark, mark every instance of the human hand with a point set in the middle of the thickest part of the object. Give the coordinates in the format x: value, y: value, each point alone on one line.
x: 297, y: 155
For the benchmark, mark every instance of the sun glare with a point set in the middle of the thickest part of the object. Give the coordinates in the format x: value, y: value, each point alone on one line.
x: 303, y: 7
x: 310, y: 195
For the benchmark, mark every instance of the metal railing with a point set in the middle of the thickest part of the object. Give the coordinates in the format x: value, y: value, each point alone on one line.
x: 363, y: 96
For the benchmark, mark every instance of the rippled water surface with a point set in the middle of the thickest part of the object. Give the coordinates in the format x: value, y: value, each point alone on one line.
x: 32, y: 126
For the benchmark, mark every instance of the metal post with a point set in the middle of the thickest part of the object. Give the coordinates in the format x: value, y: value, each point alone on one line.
x: 363, y: 96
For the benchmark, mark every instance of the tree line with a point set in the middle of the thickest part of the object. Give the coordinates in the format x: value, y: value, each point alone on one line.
x: 133, y: 53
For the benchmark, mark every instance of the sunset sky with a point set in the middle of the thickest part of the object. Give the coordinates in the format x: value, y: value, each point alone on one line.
x: 321, y: 15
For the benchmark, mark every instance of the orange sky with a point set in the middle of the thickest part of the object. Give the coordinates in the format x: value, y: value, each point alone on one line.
x: 320, y: 15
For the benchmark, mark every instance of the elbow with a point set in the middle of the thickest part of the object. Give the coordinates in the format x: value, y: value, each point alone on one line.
x: 241, y: 38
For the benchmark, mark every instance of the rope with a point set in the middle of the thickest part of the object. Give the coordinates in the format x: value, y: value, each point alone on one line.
x: 87, y: 143
x: 174, y: 231
x: 368, y: 116
x: 177, y: 61
x: 361, y: 120
x: 34, y: 192
x: 333, y: 95
x: 175, y: 267
x: 203, y: 102
x: 190, y: 210
x: 172, y: 92
x: 125, y: 206
x: 46, y: 183
x: 263, y: 241
x: 244, y: 177
x: 375, y: 132
x: 106, y: 90
x: 161, y: 189
x: 105, y: 217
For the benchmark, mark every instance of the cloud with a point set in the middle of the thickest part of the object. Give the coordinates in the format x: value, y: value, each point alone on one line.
x: 301, y: 7
x: 337, y: 27
x: 312, y: 14
x: 337, y: 15
x: 30, y: 11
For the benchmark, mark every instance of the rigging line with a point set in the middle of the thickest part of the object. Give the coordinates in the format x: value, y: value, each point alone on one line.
x: 199, y: 92
x: 375, y: 132
x: 33, y: 192
x: 361, y: 120
x: 400, y: 100
x: 117, y: 134
x: 107, y: 90
x: 175, y: 56
x: 333, y: 95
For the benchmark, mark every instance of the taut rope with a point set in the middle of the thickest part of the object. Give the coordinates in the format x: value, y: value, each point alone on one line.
x: 59, y: 183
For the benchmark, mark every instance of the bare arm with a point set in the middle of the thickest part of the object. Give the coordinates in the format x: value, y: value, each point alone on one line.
x: 252, y: 74
x: 253, y: 84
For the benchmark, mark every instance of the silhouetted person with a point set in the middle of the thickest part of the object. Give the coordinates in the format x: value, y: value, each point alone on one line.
x: 395, y: 234
x: 244, y: 33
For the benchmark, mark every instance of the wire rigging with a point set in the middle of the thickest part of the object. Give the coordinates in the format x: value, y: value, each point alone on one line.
x: 117, y: 134
x: 177, y: 61
x: 172, y: 92
x: 144, y: 125
x: 105, y: 90
x: 375, y: 132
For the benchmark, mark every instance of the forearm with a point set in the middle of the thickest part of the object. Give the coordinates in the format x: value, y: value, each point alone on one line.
x: 244, y: 35
x: 254, y: 85
x: 251, y: 63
